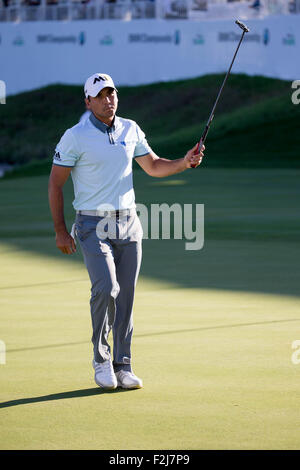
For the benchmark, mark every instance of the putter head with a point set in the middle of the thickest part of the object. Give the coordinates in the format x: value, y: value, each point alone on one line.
x: 242, y: 26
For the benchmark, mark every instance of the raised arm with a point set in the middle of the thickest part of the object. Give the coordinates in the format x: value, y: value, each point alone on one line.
x: 58, y: 176
x: 161, y: 167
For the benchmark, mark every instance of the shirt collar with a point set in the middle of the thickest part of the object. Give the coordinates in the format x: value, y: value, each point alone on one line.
x: 101, y: 125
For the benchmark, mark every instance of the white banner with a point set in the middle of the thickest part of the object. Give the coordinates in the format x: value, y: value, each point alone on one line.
x: 35, y: 54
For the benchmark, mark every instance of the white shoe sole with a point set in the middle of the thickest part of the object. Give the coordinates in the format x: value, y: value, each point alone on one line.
x: 129, y: 387
x: 108, y: 387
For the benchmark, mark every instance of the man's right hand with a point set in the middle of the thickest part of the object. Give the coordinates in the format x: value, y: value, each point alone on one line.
x: 58, y: 176
x: 65, y: 243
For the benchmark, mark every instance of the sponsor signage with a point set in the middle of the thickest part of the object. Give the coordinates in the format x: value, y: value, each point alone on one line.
x: 198, y: 39
x: 289, y: 40
x: 266, y: 36
x: 106, y: 40
x: 269, y: 49
x: 155, y: 38
x: 233, y: 36
x: 66, y: 39
x: 18, y: 41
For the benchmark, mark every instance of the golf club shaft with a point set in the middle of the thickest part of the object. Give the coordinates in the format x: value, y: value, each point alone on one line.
x: 204, y: 135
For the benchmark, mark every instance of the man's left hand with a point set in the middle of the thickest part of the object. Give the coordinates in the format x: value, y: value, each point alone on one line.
x: 193, y: 160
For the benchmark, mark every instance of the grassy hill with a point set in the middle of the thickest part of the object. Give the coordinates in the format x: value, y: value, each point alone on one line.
x: 255, y: 124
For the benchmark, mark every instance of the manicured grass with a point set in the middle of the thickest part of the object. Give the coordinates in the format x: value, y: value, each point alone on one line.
x: 213, y: 328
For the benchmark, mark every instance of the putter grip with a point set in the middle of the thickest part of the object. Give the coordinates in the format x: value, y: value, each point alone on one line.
x: 203, y: 137
x: 199, y: 146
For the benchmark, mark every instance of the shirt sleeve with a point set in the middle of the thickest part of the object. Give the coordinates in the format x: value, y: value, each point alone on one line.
x: 66, y: 152
x: 142, y: 147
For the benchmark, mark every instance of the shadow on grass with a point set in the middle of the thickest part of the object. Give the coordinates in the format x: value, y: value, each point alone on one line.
x: 86, y: 392
x: 252, y: 229
x: 162, y: 333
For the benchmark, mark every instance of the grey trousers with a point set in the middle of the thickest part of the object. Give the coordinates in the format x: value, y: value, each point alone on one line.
x: 112, y: 252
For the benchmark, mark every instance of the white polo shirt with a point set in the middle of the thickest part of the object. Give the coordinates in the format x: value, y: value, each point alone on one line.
x: 101, y: 160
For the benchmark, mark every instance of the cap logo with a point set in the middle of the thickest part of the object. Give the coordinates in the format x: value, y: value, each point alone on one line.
x: 98, y: 79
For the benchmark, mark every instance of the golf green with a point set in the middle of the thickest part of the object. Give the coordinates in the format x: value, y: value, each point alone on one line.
x: 213, y: 328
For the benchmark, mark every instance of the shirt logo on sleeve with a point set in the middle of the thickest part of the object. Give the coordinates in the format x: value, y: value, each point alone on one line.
x: 57, y: 156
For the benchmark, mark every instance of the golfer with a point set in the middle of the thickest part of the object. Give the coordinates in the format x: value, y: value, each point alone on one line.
x: 98, y: 153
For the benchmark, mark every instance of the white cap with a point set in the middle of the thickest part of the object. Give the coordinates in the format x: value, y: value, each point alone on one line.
x: 95, y: 83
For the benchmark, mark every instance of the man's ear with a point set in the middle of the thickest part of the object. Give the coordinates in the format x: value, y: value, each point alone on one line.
x: 87, y: 102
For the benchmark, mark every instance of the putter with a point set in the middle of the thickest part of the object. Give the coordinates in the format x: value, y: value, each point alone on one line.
x: 204, y: 135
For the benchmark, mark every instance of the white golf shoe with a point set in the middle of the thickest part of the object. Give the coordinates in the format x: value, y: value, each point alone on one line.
x: 104, y: 375
x: 128, y: 379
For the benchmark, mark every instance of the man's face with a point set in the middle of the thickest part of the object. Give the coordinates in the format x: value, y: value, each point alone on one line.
x: 104, y: 105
